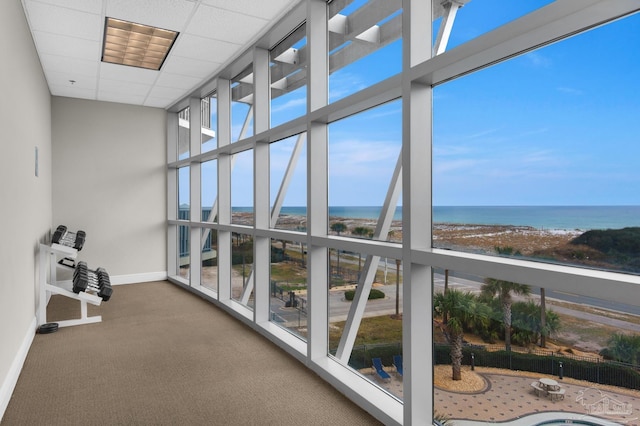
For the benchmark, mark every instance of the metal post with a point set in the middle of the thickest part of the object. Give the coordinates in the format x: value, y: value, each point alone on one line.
x: 473, y: 362
x: 560, y: 370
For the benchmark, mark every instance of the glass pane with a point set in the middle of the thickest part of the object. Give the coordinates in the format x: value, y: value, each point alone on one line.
x: 288, y: 168
x: 209, y: 190
x: 242, y: 279
x: 288, y: 303
x: 184, y: 196
x: 535, y: 156
x: 497, y: 342
x: 289, y: 78
x: 183, y: 134
x: 476, y: 18
x: 209, y: 132
x: 365, y: 45
x: 242, y: 188
x: 184, y: 258
x: 209, y: 277
x: 374, y: 346
x: 363, y: 155
x: 242, y: 105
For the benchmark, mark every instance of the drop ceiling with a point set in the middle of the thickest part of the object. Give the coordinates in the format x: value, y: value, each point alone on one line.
x: 68, y: 36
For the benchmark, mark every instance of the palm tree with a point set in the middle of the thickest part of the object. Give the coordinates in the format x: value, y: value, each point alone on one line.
x: 527, y: 322
x: 463, y: 309
x: 505, y: 291
x: 624, y: 348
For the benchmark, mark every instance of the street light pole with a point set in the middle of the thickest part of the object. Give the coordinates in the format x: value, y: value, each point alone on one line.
x: 398, y: 288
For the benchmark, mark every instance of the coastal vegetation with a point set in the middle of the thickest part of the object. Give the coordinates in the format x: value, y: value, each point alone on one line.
x: 373, y: 294
x: 623, y: 348
x: 464, y: 311
x: 505, y: 290
x: 616, y: 246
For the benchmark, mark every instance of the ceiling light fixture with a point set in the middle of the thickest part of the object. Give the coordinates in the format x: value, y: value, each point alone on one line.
x: 136, y: 45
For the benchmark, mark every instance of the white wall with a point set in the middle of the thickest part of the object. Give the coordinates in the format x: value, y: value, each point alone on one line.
x: 109, y: 179
x: 25, y: 200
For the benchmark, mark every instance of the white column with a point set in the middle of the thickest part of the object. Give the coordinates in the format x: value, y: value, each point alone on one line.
x: 195, y: 144
x: 224, y: 190
x: 416, y: 221
x: 317, y: 186
x: 172, y: 194
x: 261, y: 245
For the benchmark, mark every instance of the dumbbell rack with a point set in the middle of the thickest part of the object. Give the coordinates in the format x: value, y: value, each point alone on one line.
x: 51, y: 258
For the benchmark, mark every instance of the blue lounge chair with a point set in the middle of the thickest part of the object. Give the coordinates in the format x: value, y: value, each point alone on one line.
x: 377, y: 365
x: 397, y: 362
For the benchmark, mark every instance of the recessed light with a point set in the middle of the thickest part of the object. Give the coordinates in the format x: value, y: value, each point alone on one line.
x: 136, y: 45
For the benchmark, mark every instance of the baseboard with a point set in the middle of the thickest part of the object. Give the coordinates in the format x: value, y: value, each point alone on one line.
x: 138, y: 278
x: 9, y: 384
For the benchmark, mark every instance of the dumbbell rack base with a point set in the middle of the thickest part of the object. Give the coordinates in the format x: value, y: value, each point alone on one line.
x: 50, y: 254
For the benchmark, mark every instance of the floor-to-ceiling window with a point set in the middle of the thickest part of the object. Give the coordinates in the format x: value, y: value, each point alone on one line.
x: 427, y: 204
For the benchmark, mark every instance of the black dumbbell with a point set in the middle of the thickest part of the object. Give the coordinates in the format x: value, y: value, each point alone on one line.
x: 80, y: 237
x: 96, y: 281
x: 104, y: 284
x: 59, y: 232
x: 80, y: 277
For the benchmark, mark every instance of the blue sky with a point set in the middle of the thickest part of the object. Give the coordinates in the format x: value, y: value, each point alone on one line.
x: 557, y: 126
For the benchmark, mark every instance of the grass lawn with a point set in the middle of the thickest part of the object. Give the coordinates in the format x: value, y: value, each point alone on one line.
x: 373, y: 330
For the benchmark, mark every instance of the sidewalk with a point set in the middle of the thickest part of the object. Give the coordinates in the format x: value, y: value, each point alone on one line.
x: 509, y: 398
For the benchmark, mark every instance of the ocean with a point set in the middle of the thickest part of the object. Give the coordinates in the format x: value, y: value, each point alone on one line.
x: 541, y: 217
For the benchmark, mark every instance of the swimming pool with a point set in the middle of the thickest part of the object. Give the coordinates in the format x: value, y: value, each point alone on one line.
x: 554, y: 418
x: 570, y: 422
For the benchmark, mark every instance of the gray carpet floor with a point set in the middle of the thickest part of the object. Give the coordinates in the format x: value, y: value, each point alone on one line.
x: 163, y: 356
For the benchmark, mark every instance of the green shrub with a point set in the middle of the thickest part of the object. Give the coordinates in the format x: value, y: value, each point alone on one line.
x: 373, y: 294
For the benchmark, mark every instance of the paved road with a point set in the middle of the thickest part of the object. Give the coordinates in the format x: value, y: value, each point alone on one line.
x: 339, y: 307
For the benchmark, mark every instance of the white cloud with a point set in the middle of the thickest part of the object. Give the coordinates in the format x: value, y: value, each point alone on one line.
x: 293, y: 103
x: 570, y: 91
x: 538, y: 60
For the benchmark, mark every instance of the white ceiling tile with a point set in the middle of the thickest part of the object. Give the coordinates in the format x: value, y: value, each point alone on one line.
x: 68, y: 35
x: 62, y: 79
x: 166, y: 92
x: 221, y: 24
x: 121, y: 98
x: 58, y: 20
x: 167, y: 14
x: 177, y: 81
x: 72, y: 92
x: 123, y: 87
x: 90, y: 6
x: 70, y: 47
x: 70, y: 66
x: 205, y: 49
x: 158, y: 102
x: 262, y: 9
x: 189, y: 66
x: 127, y: 74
